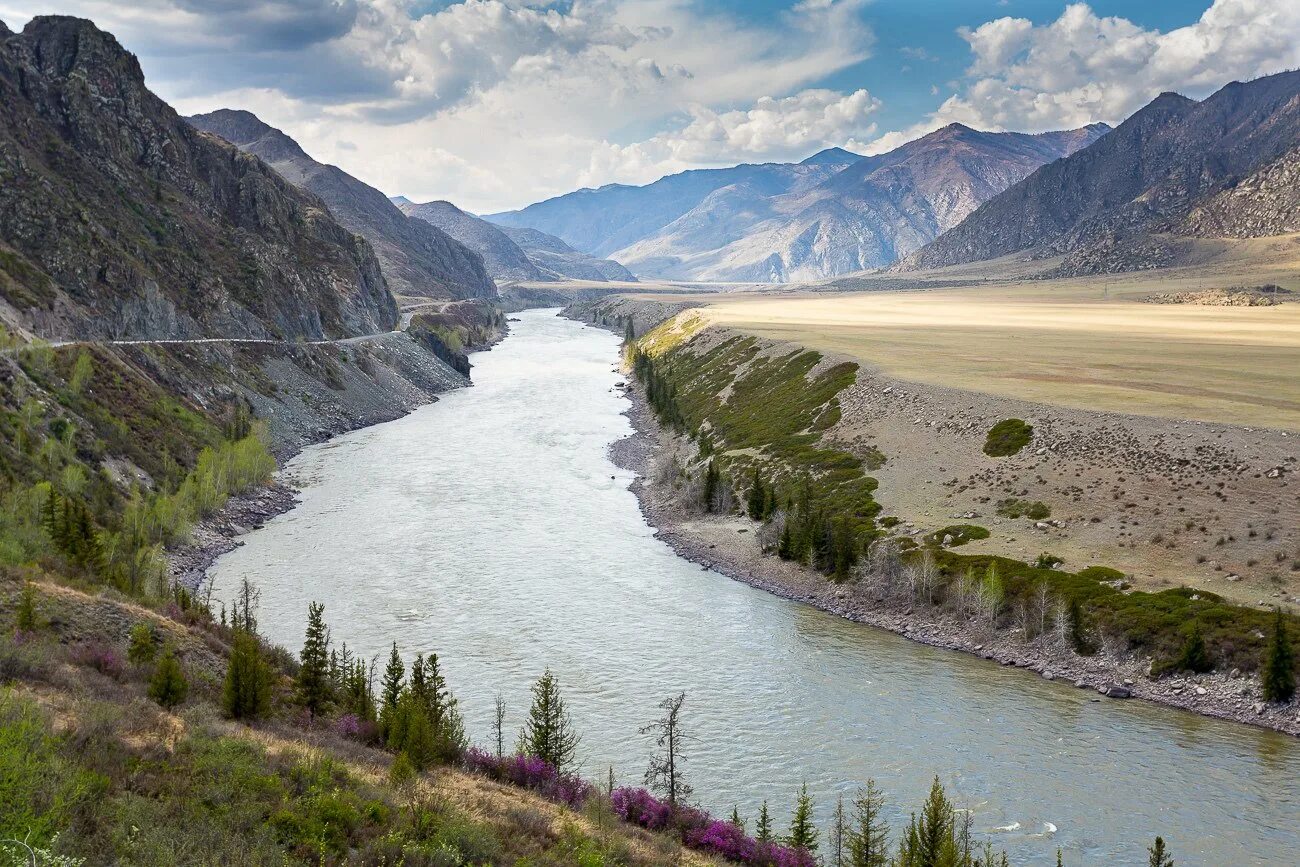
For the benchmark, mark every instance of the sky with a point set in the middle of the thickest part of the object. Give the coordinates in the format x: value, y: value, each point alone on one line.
x: 494, y: 104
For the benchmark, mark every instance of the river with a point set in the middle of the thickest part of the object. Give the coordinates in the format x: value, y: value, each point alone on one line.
x: 492, y: 528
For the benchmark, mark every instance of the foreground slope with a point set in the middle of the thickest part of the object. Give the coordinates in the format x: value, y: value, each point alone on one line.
x: 1168, y: 168
x: 118, y: 219
x: 418, y: 259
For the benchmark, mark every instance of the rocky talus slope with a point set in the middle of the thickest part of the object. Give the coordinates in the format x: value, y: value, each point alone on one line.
x: 417, y: 258
x: 118, y: 219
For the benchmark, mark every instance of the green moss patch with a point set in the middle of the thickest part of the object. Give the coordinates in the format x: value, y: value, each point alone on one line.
x: 1008, y: 437
x: 959, y: 534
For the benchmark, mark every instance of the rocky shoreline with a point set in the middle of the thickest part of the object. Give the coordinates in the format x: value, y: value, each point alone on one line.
x: 1230, y: 696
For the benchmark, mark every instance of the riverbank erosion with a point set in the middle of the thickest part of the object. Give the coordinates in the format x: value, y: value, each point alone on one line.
x: 695, y: 407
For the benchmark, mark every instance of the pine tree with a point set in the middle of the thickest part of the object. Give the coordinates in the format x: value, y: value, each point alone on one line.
x: 868, y: 840
x: 757, y: 497
x: 247, y: 692
x: 143, y: 646
x: 412, y: 733
x: 1158, y: 856
x: 25, y: 619
x: 763, y: 830
x: 711, y: 478
x: 1194, y: 656
x: 548, y: 732
x: 803, y: 831
x: 785, y: 548
x: 313, y: 687
x: 1078, y: 639
x: 1278, y: 675
x: 168, y: 686
x: 930, y: 840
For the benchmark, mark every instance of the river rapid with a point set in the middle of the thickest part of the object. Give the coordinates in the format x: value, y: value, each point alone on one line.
x: 492, y: 528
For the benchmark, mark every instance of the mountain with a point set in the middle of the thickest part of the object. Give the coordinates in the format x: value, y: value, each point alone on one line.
x: 418, y: 259
x: 118, y: 219
x: 866, y: 215
x: 1225, y: 165
x: 502, y: 256
x: 551, y: 254
x: 512, y: 254
x: 616, y: 216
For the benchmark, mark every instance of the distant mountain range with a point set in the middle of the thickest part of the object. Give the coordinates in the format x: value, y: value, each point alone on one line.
x: 514, y: 255
x: 831, y: 214
x: 120, y: 220
x: 1228, y: 166
x: 418, y: 259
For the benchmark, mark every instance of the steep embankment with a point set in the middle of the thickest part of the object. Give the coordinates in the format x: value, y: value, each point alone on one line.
x: 746, y: 467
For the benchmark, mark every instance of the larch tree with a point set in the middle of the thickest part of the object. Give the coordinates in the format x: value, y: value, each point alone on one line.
x: 868, y: 839
x: 803, y: 830
x: 763, y: 829
x: 664, y: 773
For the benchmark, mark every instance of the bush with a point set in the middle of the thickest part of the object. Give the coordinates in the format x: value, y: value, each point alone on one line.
x: 169, y: 686
x: 960, y: 533
x: 1032, y: 509
x: 1008, y: 437
x: 101, y: 657
x: 144, y: 644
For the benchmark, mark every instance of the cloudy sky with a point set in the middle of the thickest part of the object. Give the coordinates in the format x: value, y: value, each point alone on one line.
x: 497, y: 103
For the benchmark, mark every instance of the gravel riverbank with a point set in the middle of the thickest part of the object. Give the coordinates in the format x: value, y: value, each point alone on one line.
x: 728, y: 545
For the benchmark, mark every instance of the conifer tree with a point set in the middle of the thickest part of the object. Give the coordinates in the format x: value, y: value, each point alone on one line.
x: 169, y: 686
x: 394, y: 674
x: 665, y: 771
x: 143, y: 645
x: 1194, y: 656
x: 1078, y: 639
x: 499, y: 729
x: 1158, y: 856
x: 838, y: 832
x: 868, y: 839
x: 247, y: 692
x: 735, y: 818
x: 931, y: 840
x: 548, y: 733
x: 711, y: 478
x: 763, y: 830
x: 757, y: 500
x: 629, y: 331
x: 1278, y: 675
x: 803, y: 831
x: 25, y: 620
x: 313, y: 675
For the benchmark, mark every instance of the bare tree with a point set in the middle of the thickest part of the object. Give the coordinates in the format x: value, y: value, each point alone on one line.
x: 498, y: 724
x: 927, y: 576
x: 664, y: 774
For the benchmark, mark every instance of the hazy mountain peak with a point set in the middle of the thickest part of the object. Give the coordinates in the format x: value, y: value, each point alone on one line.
x: 831, y: 156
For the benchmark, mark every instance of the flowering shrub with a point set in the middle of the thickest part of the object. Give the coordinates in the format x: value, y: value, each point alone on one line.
x: 100, y: 657
x: 530, y: 772
x: 351, y: 726
x: 639, y: 807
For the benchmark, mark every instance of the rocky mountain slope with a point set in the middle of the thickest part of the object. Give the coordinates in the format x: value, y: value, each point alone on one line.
x: 615, y: 216
x: 118, y: 219
x: 418, y: 260
x: 1216, y: 167
x: 866, y: 215
x: 551, y: 254
x: 502, y: 256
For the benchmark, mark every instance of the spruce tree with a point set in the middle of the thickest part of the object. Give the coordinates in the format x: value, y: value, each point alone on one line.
x: 394, y: 674
x: 930, y: 840
x: 548, y: 733
x: 763, y: 830
x: 1277, y: 678
x: 168, y: 686
x: 785, y: 548
x: 868, y: 840
x: 803, y: 831
x: 735, y: 818
x: 313, y: 675
x: 710, y: 493
x: 1078, y: 639
x: 247, y: 692
x: 1158, y: 856
x: 838, y: 832
x: 1194, y: 657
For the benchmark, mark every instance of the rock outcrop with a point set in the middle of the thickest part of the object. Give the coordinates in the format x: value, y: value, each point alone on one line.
x: 417, y: 258
x: 120, y: 220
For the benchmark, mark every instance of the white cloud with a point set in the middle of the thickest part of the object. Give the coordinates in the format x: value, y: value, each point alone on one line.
x: 494, y: 103
x: 1083, y: 68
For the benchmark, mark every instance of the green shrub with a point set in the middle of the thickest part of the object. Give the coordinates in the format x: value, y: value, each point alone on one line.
x: 1032, y: 509
x: 143, y: 645
x: 169, y: 686
x: 960, y: 533
x: 1007, y: 437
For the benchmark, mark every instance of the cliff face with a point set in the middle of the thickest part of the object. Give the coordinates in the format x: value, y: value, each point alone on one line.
x: 119, y: 220
x: 418, y: 259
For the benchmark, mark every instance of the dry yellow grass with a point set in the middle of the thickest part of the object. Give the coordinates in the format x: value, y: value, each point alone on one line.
x: 1236, y: 365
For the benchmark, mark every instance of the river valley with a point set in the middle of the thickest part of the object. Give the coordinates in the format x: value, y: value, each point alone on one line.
x: 492, y: 528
